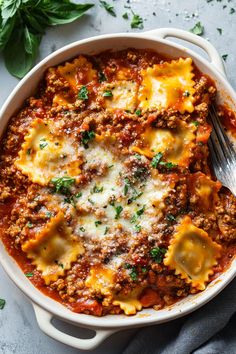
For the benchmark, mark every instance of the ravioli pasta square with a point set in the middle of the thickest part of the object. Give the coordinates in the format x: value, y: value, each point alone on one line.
x: 192, y: 254
x: 54, y: 249
x: 45, y: 155
x: 168, y: 85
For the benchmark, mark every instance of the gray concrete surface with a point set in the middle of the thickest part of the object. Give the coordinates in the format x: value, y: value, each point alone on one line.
x: 19, y: 332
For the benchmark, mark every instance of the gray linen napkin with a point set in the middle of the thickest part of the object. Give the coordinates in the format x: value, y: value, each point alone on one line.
x: 209, y: 330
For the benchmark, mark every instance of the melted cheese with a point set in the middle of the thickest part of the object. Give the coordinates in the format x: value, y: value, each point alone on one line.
x: 192, y: 254
x: 124, y: 95
x: 70, y: 71
x: 168, y: 85
x: 175, y: 144
x: 45, y: 155
x: 54, y: 249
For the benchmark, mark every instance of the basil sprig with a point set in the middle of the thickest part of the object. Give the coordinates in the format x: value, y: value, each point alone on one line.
x: 22, y: 25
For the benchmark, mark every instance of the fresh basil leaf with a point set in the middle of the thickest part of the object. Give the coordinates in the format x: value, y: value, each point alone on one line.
x: 63, y: 11
x: 9, y: 8
x: 32, y: 42
x: 34, y: 23
x: 18, y: 62
x: 6, y: 30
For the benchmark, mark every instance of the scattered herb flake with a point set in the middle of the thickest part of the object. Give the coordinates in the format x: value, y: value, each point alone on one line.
x: 29, y: 225
x: 157, y: 254
x: 219, y: 30
x: 118, y: 210
x: 196, y: 123
x: 82, y: 229
x: 83, y: 93
x: 97, y: 222
x: 43, y: 144
x: 97, y: 189
x: 62, y: 184
x: 144, y: 269
x: 101, y: 77
x: 2, y: 304
x: 224, y: 57
x: 28, y: 151
x: 109, y: 8
x: 48, y: 214
x: 137, y: 22
x: 125, y: 16
x: 156, y: 159
x: 170, y: 217
x: 133, y: 274
x: 138, y: 156
x: 137, y: 228
x: 78, y: 195
x: 138, y: 112
x: 106, y: 230
x: 186, y: 93
x: 232, y: 11
x: 107, y: 93
x: 29, y: 275
x: 198, y: 29
x: 87, y: 135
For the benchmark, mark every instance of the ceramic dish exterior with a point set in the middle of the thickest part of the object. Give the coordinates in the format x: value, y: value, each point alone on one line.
x: 45, y: 307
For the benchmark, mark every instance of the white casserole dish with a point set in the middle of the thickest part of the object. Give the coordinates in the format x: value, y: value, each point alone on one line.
x: 45, y: 307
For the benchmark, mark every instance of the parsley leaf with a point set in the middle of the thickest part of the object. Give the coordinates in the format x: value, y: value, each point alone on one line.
x: 232, y: 11
x: 137, y: 21
x: 118, y: 210
x: 107, y: 93
x: 29, y: 275
x: 125, y: 16
x: 224, y: 57
x: 62, y: 184
x: 109, y: 8
x: 198, y: 29
x: 138, y: 112
x: 2, y: 304
x: 101, y: 77
x: 97, y: 222
x: 157, y: 254
x: 43, y: 143
x: 83, y: 93
x: 97, y: 189
x: 156, y: 159
x: 219, y: 30
x: 87, y: 135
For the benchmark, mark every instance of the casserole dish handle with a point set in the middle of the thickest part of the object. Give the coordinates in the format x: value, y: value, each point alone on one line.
x: 211, y: 51
x: 44, y: 319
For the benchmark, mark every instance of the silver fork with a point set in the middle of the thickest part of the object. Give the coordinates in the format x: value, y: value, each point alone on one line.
x: 222, y: 153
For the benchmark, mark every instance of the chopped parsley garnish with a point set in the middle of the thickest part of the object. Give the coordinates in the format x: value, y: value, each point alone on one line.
x: 170, y: 217
x: 107, y: 93
x: 118, y: 210
x: 138, y: 112
x: 29, y: 275
x: 224, y: 57
x: 133, y: 272
x: 83, y: 93
x: 78, y: 195
x: 82, y: 229
x: 219, y: 30
x: 28, y: 151
x: 62, y: 184
x: 29, y: 225
x: 137, y: 228
x: 157, y: 254
x: 140, y: 173
x: 90, y: 201
x: 186, y: 93
x: 127, y: 185
x: 156, y: 161
x: 144, y: 269
x: 196, y: 123
x: 42, y: 144
x: 109, y: 8
x: 101, y: 77
x: 87, y: 135
x: 198, y: 29
x: 138, y: 157
x: 2, y: 304
x: 137, y: 21
x: 97, y: 189
x: 70, y: 200
x: 137, y: 214
x: 97, y: 222
x: 232, y: 11
x: 48, y: 214
x: 106, y: 230
x: 125, y: 16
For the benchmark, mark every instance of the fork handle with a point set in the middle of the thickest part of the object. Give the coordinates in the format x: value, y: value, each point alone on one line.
x: 211, y: 51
